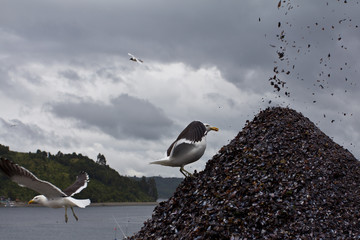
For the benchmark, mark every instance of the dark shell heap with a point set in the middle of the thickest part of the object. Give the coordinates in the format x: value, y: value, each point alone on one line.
x: 279, y: 178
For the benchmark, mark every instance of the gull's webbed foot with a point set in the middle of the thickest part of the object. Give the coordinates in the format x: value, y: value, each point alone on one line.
x: 183, y: 171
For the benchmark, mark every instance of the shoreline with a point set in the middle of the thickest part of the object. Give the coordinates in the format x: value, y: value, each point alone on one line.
x: 102, y: 204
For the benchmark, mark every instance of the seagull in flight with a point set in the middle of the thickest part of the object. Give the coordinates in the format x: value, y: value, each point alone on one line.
x: 51, y: 196
x: 189, y: 147
x: 135, y: 59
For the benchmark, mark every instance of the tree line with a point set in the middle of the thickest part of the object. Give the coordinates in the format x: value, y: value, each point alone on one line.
x: 106, y: 184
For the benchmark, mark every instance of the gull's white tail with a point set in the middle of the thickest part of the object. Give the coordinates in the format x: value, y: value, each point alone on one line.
x: 165, y: 162
x: 81, y: 203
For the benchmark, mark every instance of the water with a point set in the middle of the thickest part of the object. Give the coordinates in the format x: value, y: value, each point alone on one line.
x: 40, y: 223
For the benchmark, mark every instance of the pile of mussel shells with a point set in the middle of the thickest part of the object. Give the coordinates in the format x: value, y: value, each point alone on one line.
x: 279, y: 178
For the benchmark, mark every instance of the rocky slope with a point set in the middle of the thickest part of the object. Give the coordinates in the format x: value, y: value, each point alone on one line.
x: 279, y: 178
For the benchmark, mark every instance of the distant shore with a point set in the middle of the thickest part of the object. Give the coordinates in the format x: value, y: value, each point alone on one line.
x: 104, y: 204
x: 123, y: 204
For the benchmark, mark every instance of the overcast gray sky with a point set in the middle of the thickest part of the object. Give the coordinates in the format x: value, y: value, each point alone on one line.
x: 67, y: 83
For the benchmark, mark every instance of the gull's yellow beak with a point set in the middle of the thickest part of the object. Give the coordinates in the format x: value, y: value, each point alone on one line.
x: 214, y: 129
x: 31, y: 201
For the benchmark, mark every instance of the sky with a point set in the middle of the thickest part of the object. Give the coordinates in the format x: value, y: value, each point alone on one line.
x: 67, y: 83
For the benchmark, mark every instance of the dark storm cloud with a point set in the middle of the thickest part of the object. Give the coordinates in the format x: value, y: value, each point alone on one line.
x: 17, y: 132
x: 125, y: 117
x: 235, y: 36
x: 221, y: 99
x: 109, y: 73
x: 226, y: 34
x: 9, y: 87
x: 69, y: 74
x: 4, y: 80
x: 200, y: 32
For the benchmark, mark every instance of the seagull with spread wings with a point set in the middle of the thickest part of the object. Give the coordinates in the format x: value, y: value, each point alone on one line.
x: 135, y: 59
x: 189, y: 146
x: 51, y: 196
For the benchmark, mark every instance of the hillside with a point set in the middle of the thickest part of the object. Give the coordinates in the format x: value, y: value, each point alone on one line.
x: 279, y: 178
x: 165, y: 186
x: 105, y: 185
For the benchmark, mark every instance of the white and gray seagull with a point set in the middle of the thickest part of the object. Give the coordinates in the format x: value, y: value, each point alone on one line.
x: 51, y: 196
x: 135, y: 59
x: 189, y: 146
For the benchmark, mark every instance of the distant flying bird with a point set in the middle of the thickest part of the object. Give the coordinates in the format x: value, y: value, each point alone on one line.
x: 133, y: 58
x: 51, y: 196
x: 189, y: 147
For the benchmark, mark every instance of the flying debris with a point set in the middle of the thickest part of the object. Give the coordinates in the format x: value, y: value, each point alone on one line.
x: 135, y: 59
x: 290, y: 50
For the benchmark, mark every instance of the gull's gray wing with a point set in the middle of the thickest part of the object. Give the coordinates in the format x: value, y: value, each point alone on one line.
x: 182, y: 149
x: 194, y: 132
x: 25, y: 178
x: 80, y: 183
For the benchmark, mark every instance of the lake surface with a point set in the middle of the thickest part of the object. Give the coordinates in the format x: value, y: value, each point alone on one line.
x: 40, y: 223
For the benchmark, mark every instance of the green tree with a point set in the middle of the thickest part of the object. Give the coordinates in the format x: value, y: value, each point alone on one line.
x: 152, y: 191
x: 101, y: 160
